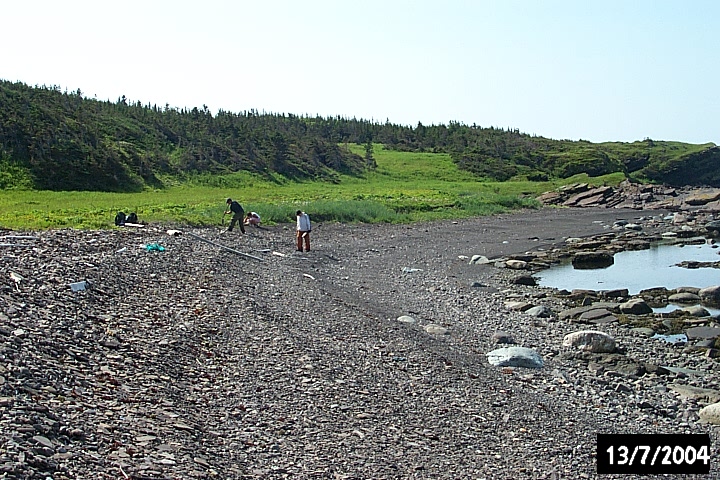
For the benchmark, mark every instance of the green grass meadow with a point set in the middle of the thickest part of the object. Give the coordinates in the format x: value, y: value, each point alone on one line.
x: 405, y: 187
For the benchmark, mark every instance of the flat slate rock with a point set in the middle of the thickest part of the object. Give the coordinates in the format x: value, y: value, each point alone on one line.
x: 597, y: 316
x: 576, y: 312
x: 515, y: 357
x: 696, y: 333
x: 704, y: 394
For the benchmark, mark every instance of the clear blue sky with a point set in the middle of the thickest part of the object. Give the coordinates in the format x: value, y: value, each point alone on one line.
x: 606, y: 70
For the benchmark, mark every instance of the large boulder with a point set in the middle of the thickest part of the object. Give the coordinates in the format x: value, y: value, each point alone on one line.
x: 703, y: 198
x: 528, y: 280
x: 635, y: 306
x: 590, y: 260
x: 502, y: 337
x: 699, y: 333
x: 479, y: 260
x: 711, y: 414
x: 696, y: 311
x: 710, y: 296
x: 713, y: 226
x: 684, y: 297
x: 591, y: 341
x: 516, y: 264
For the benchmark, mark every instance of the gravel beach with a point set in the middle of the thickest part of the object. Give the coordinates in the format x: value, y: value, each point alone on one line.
x: 139, y: 354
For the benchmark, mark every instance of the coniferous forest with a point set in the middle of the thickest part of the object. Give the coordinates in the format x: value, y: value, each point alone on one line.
x: 52, y: 139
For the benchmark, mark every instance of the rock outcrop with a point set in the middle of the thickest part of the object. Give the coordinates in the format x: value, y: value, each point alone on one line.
x: 635, y: 196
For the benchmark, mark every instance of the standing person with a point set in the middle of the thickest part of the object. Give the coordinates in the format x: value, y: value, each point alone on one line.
x: 303, y: 230
x: 238, y: 213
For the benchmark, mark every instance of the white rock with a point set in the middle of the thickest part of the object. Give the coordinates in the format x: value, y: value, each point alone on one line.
x: 434, y: 329
x: 516, y: 264
x: 515, y: 357
x: 590, y: 340
x: 540, y: 311
x: 479, y: 260
x: 711, y: 414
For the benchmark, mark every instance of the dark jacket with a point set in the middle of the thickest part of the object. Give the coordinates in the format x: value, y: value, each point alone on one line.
x: 235, y: 207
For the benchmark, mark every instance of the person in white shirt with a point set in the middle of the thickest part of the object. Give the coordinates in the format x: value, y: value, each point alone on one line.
x: 303, y: 230
x: 253, y: 219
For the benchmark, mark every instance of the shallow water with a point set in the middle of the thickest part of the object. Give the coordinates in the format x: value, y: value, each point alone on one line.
x: 675, y: 338
x: 672, y: 307
x: 639, y: 270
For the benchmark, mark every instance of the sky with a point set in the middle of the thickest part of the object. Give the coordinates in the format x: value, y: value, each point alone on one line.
x: 597, y: 70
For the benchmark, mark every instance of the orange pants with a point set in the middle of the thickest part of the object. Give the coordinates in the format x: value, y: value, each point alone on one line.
x: 300, y: 237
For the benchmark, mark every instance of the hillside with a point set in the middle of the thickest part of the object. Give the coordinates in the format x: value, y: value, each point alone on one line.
x: 61, y: 141
x: 502, y: 155
x: 58, y: 140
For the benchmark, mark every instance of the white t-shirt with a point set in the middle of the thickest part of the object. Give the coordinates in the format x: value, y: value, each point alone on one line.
x: 303, y: 223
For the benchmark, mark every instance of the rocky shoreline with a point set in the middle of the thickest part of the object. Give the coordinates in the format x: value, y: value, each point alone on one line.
x: 139, y: 354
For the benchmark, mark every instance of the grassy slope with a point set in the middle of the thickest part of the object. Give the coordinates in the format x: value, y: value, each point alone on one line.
x: 405, y: 187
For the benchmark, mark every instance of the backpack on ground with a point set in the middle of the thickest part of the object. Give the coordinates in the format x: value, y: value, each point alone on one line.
x: 132, y: 218
x: 120, y: 219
